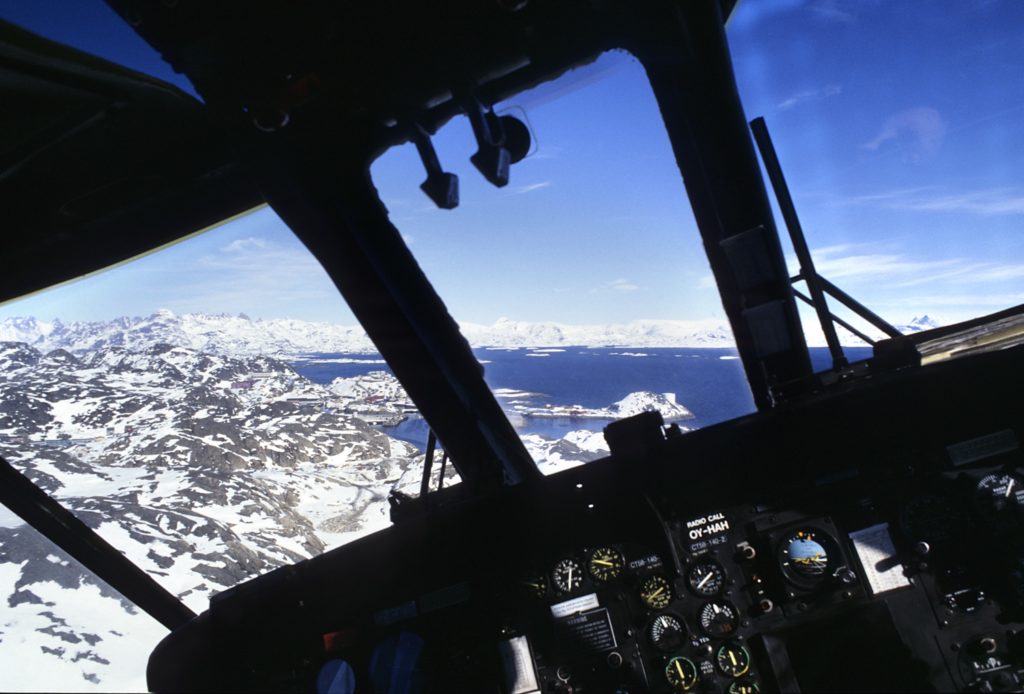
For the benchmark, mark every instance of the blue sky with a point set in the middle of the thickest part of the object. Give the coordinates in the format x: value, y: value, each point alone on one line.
x: 898, y: 124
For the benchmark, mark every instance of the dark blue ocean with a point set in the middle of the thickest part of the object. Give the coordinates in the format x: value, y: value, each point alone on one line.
x: 709, y: 382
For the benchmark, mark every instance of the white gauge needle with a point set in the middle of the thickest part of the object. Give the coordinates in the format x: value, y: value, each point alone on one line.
x: 701, y: 582
x: 570, y: 577
x: 1009, y: 488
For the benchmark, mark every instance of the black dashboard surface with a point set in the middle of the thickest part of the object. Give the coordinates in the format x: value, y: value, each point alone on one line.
x: 864, y: 540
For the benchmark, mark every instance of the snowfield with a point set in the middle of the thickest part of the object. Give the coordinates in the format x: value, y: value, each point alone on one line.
x: 204, y: 469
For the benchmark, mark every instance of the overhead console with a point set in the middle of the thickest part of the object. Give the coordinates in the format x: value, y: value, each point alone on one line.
x: 869, y: 540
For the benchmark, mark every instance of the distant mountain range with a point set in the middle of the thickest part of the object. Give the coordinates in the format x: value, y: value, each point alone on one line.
x: 241, y: 335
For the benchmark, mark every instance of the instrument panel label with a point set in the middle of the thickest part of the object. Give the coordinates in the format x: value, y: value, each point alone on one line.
x: 707, y: 526
x: 982, y: 447
x: 571, y: 607
x: 651, y: 561
x: 591, y: 630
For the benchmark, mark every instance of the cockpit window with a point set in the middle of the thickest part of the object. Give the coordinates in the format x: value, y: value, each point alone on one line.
x: 582, y: 284
x: 211, y: 410
x: 897, y: 125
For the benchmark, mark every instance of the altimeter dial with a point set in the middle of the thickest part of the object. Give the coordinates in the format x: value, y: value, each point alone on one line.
x: 567, y: 575
x: 606, y: 563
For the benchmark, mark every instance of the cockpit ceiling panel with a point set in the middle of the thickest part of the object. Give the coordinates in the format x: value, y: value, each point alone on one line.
x: 99, y: 164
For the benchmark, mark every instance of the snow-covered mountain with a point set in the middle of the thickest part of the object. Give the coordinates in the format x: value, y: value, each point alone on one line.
x: 227, y: 334
x: 203, y: 469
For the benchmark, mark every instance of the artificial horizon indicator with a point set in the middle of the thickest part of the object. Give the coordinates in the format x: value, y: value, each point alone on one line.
x: 807, y: 556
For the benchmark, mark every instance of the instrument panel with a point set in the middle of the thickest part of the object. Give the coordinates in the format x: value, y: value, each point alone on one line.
x: 727, y: 560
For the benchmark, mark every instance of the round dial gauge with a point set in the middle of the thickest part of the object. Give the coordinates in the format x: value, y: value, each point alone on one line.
x: 655, y: 592
x: 567, y: 575
x: 706, y: 578
x: 748, y: 687
x: 1001, y: 491
x: 667, y: 632
x: 606, y: 563
x: 733, y: 660
x: 806, y: 557
x: 681, y: 674
x: 535, y: 584
x: 718, y: 619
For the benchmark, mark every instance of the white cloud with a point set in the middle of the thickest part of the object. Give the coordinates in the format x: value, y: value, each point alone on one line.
x: 919, y: 129
x: 246, y: 245
x: 810, y: 95
x: 622, y: 285
x: 882, y: 268
x: 530, y: 187
x: 992, y: 201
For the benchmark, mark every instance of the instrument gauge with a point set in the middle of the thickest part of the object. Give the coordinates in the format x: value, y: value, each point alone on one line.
x: 748, y: 687
x: 706, y: 579
x: 567, y: 575
x: 718, y: 619
x: 655, y: 592
x: 606, y: 563
x: 733, y: 660
x: 681, y: 674
x: 1001, y: 491
x: 667, y: 632
x: 535, y: 584
x: 806, y: 557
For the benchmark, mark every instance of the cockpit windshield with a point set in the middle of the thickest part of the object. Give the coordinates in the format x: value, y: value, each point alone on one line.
x: 214, y: 410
